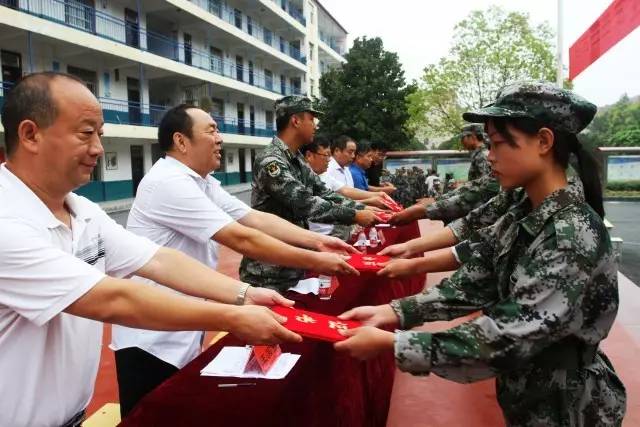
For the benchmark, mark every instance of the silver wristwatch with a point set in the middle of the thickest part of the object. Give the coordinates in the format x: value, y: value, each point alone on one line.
x: 242, y: 294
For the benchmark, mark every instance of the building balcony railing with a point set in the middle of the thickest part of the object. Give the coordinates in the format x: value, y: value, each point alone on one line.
x: 293, y: 11
x: 74, y: 14
x: 332, y: 43
x: 250, y: 27
x: 123, y: 112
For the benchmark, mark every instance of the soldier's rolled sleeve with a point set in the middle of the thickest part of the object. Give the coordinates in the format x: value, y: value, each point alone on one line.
x: 413, y: 352
x: 460, y: 229
x: 278, y: 181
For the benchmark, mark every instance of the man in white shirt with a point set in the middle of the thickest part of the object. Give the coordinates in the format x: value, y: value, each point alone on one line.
x: 343, y: 151
x: 318, y: 155
x: 181, y: 206
x: 63, y: 262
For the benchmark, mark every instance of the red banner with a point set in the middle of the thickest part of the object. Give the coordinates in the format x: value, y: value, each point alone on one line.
x: 620, y: 19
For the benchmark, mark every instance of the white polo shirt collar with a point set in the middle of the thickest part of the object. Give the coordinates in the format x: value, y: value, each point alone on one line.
x: 33, y: 208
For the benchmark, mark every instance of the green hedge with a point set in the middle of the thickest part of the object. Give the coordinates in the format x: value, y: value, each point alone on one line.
x: 624, y: 185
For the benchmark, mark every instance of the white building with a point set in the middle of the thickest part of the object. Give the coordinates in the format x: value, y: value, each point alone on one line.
x: 233, y: 58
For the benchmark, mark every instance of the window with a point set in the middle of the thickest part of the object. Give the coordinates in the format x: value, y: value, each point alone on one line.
x: 217, y: 112
x: 106, y: 82
x: 187, y: 49
x: 132, y: 29
x: 296, y: 84
x: 283, y: 84
x: 312, y: 86
x: 311, y: 51
x: 89, y: 77
x: 312, y: 13
x: 239, y: 69
x: 268, y: 79
x: 215, y: 7
x: 80, y: 14
x: 237, y: 17
x: 215, y: 60
x: 251, y: 73
x: 268, y: 37
x: 188, y: 96
x: 249, y: 26
x: 269, y: 119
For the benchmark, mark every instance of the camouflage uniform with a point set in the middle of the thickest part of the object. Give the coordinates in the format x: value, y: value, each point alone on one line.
x: 400, y: 180
x: 459, y: 202
x: 480, y: 165
x: 545, y: 280
x: 487, y: 214
x: 284, y: 185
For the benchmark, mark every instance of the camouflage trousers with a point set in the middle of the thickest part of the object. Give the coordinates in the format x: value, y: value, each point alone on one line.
x: 588, y: 396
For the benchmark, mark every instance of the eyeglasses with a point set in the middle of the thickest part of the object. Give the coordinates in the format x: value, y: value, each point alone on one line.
x: 326, y: 156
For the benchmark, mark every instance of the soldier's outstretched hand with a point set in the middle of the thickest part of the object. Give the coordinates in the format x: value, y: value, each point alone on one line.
x: 365, y: 342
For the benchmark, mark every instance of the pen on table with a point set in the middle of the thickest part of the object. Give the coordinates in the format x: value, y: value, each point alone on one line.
x: 234, y: 385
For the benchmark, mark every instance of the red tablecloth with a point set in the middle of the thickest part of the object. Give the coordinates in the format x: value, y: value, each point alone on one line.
x: 324, y: 389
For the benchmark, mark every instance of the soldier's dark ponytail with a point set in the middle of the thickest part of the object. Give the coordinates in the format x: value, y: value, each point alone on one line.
x: 588, y: 169
x: 564, y: 145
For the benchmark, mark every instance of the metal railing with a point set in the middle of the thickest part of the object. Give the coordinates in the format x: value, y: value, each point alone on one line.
x: 74, y: 14
x: 122, y: 112
x: 251, y: 27
x: 332, y: 43
x: 293, y: 11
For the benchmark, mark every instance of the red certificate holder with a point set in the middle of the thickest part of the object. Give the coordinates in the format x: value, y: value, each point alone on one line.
x: 367, y: 263
x: 315, y: 325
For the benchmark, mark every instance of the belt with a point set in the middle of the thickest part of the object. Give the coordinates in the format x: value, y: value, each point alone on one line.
x: 76, y: 420
x: 569, y: 353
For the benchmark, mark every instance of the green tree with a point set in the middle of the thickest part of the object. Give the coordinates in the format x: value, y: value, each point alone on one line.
x: 490, y: 49
x: 365, y: 97
x: 617, y: 125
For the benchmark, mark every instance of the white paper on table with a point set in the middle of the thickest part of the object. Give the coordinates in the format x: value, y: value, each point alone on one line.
x: 307, y: 286
x: 231, y: 362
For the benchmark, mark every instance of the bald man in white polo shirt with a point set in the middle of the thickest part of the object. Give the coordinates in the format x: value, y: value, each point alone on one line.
x: 63, y: 264
x: 181, y: 206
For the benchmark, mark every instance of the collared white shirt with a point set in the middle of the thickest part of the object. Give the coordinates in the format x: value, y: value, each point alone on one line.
x: 177, y: 208
x: 49, y: 359
x: 334, y: 185
x: 339, y: 173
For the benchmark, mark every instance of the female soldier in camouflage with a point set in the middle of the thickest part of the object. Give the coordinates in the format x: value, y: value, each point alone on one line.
x: 544, y: 277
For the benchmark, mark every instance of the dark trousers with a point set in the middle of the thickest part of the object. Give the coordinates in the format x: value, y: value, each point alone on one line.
x: 139, y: 373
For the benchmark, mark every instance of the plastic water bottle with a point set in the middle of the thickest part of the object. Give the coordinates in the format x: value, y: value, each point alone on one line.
x: 324, y: 292
x: 373, y: 237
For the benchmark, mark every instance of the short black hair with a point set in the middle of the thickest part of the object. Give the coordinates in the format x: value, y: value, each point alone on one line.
x: 378, y: 146
x: 30, y: 99
x: 362, y: 147
x: 340, y: 143
x: 318, y: 141
x: 283, y: 121
x: 177, y: 119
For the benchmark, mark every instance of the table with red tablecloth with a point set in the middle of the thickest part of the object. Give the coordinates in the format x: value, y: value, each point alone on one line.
x: 325, y: 388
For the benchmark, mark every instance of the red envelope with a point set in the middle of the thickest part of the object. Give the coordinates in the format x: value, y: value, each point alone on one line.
x: 392, y: 204
x: 366, y: 263
x: 315, y: 325
x: 383, y: 216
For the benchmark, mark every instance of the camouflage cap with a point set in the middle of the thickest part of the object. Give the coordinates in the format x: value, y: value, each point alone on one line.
x: 471, y: 129
x: 295, y: 104
x: 560, y: 109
